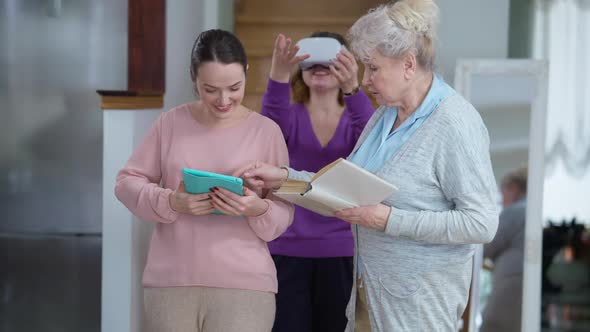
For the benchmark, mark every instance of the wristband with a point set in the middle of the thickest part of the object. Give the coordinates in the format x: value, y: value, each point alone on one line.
x: 355, y: 90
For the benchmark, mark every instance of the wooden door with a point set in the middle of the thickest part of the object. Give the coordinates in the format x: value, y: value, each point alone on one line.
x: 258, y: 22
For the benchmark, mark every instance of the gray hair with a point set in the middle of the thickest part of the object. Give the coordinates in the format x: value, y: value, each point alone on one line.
x: 395, y: 29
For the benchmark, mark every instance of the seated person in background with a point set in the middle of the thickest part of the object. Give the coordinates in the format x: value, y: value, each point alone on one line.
x: 314, y: 256
x: 503, y: 311
x: 208, y: 272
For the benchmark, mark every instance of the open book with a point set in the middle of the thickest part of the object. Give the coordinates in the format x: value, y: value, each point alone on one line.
x: 200, y: 182
x: 339, y: 185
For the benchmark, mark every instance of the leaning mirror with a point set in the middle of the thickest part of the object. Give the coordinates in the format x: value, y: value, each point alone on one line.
x: 511, y: 97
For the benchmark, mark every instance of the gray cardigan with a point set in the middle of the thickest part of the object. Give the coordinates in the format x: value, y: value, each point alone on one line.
x: 418, y: 271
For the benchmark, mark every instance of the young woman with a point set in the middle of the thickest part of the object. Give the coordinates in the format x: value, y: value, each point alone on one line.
x: 208, y: 272
x: 314, y: 256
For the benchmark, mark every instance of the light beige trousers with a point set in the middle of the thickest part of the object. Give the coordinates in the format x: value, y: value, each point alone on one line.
x: 362, y: 323
x: 204, y: 309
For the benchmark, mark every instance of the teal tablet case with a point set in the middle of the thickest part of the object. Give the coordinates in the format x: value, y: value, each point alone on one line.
x: 200, y: 182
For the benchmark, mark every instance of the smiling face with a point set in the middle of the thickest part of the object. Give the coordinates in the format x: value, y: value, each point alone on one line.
x: 387, y: 78
x: 319, y: 78
x: 221, y: 88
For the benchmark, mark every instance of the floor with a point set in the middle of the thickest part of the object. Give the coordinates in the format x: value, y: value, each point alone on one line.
x: 568, y: 310
x: 50, y: 283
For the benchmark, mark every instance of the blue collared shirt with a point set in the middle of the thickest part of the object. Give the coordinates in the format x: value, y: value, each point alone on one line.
x: 381, y: 145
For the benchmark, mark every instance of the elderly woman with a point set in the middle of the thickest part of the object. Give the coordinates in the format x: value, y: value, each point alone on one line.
x: 414, y: 251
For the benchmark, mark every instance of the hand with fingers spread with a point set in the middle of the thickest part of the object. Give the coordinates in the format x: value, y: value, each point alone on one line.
x: 370, y: 216
x: 249, y: 205
x: 193, y: 204
x: 259, y: 175
x: 345, y: 69
x: 284, y: 59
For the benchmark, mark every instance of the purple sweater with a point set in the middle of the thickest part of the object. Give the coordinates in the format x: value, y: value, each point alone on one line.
x: 313, y: 235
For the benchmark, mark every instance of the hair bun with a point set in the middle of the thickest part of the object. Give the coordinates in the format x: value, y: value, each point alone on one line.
x: 419, y: 16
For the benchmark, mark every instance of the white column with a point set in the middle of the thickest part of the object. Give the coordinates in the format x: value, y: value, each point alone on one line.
x: 124, y: 237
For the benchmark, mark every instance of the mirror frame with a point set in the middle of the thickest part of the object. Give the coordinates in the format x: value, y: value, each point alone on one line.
x: 538, y: 69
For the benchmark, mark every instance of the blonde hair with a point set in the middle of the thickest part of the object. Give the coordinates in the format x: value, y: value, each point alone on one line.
x: 397, y: 28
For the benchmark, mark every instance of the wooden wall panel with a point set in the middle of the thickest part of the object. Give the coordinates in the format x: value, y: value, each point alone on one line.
x: 259, y: 38
x: 146, y: 58
x: 147, y: 46
x: 305, y: 9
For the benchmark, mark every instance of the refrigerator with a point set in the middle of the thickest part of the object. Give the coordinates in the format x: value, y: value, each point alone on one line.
x: 54, y: 55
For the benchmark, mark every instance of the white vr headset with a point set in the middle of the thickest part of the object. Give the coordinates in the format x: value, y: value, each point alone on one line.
x: 321, y: 50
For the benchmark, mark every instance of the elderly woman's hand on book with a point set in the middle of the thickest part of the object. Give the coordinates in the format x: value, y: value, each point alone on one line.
x: 370, y: 216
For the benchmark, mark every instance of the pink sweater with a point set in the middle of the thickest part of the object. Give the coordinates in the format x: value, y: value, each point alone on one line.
x: 212, y: 250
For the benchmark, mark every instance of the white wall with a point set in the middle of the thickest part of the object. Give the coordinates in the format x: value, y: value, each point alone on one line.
x: 184, y: 21
x: 124, y: 238
x: 475, y: 28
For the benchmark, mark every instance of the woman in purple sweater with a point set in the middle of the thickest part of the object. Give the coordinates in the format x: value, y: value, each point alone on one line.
x: 314, y: 256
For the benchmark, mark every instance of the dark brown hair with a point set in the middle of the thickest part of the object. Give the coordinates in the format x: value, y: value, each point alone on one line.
x: 216, y: 45
x: 299, y: 89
